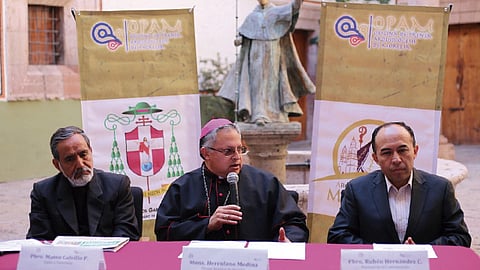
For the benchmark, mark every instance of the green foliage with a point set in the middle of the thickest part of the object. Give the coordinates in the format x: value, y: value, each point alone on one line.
x: 216, y: 107
x: 212, y: 73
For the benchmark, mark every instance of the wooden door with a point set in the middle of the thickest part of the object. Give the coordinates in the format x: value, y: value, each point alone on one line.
x: 300, y: 37
x: 461, y: 98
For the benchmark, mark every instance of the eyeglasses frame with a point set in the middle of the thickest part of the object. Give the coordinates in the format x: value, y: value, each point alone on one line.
x: 241, y: 150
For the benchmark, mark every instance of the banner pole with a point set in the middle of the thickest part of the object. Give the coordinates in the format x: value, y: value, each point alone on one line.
x: 237, y: 64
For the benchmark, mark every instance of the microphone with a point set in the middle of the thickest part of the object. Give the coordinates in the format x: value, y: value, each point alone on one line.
x: 232, y: 179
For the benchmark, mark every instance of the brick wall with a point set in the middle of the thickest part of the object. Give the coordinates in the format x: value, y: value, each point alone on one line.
x: 39, y: 82
x: 464, y: 11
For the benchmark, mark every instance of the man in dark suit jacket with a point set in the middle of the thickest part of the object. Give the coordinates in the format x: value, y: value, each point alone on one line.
x: 80, y: 200
x: 399, y: 204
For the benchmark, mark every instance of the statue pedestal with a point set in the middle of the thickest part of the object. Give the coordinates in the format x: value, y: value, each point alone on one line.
x: 268, y: 144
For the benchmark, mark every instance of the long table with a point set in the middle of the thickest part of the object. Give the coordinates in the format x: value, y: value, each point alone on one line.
x: 164, y: 255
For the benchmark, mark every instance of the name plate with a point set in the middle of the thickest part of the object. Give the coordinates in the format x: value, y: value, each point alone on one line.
x: 202, y: 258
x: 356, y: 259
x: 60, y: 258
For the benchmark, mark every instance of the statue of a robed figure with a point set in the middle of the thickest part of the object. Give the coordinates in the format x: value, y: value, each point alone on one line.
x: 269, y: 78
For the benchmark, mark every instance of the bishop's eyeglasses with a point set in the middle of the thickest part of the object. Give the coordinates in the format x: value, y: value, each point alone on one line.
x: 242, y: 150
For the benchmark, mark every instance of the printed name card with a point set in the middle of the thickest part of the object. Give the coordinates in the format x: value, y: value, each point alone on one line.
x: 60, y: 258
x: 357, y: 259
x: 202, y: 258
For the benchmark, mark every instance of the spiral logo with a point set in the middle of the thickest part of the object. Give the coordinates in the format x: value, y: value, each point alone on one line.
x: 346, y: 27
x: 102, y: 33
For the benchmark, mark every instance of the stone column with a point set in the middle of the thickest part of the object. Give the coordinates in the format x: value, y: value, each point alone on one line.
x: 268, y: 144
x: 446, y: 150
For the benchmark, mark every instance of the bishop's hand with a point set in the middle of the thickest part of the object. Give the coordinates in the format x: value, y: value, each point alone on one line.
x: 228, y: 214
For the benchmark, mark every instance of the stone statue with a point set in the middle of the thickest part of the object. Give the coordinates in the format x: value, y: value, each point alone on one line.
x: 270, y: 76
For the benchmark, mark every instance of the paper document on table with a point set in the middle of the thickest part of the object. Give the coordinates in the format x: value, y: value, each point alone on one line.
x: 279, y: 250
x: 401, y: 247
x: 216, y: 244
x: 16, y: 245
x: 106, y: 243
x: 276, y: 250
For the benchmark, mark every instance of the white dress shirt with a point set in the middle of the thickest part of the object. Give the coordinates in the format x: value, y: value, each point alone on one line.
x: 399, y: 201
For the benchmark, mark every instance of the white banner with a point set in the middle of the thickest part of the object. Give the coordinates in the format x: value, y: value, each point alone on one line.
x: 152, y: 140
